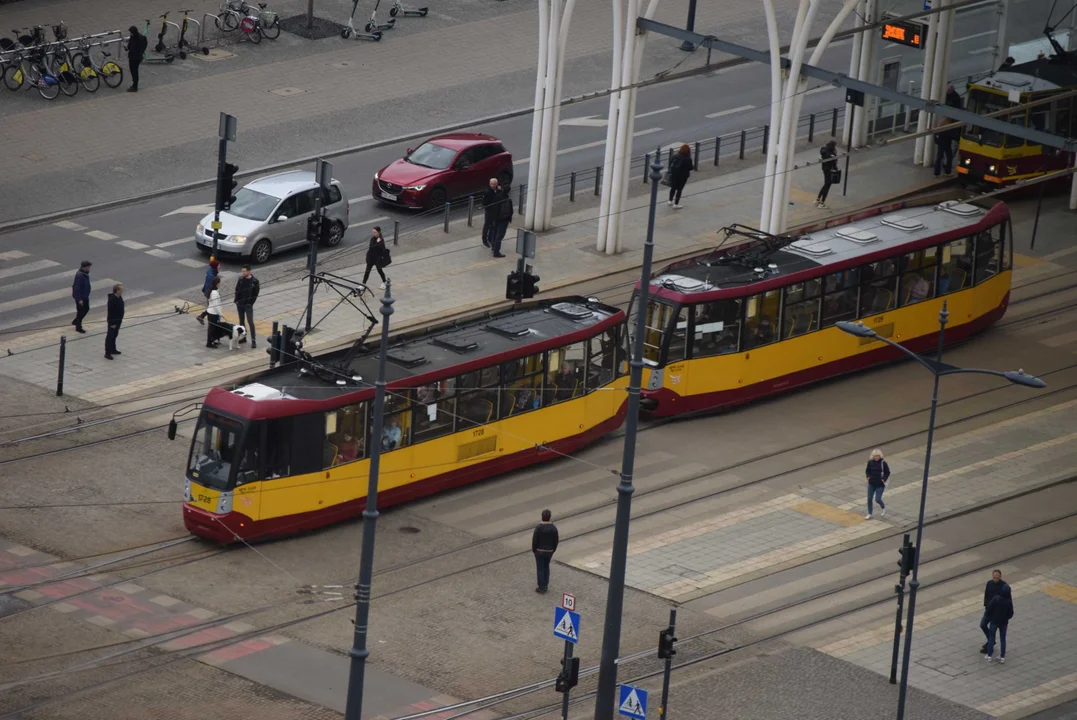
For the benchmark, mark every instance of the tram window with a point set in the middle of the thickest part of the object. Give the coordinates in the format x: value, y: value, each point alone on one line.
x: 396, y: 427
x: 345, y: 435
x: 278, y: 448
x: 434, y: 410
x: 250, y: 456
x: 1003, y: 232
x: 564, y: 379
x: 761, y: 319
x: 658, y: 315
x: 801, y: 308
x: 678, y: 338
x: 1020, y: 118
x: 607, y: 358
x: 214, y: 451
x: 841, y: 290
x: 918, y: 276
x: 521, y: 385
x: 878, y: 287
x: 988, y: 254
x: 955, y: 270
x: 477, y: 398
x: 717, y: 327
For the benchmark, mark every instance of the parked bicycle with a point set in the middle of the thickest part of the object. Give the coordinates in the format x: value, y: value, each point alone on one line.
x: 85, y: 62
x: 237, y: 14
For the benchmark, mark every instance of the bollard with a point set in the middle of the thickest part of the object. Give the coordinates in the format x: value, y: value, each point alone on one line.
x: 470, y: 210
x: 811, y: 127
x: 572, y: 187
x: 695, y: 160
x: 766, y: 137
x: 60, y: 370
x: 522, y: 196
x: 273, y: 338
x: 834, y: 123
x: 598, y: 179
x: 396, y: 232
x: 669, y: 158
x: 743, y: 139
x: 448, y: 206
x: 717, y: 149
x: 646, y: 167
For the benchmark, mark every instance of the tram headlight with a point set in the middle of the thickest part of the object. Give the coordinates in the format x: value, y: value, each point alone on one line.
x: 991, y: 169
x: 967, y: 162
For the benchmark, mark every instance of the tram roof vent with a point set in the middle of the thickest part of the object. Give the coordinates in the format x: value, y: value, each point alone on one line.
x: 860, y: 237
x: 572, y: 311
x: 460, y: 342
x: 902, y: 223
x: 405, y: 357
x: 258, y: 391
x: 510, y: 327
x: 683, y: 284
x: 809, y: 248
x: 955, y: 207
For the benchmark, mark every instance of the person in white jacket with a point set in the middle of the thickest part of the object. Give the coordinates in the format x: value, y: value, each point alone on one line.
x: 213, y: 312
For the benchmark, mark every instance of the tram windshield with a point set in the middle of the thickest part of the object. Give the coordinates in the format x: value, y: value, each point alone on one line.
x: 213, y: 454
x: 656, y: 323
x: 983, y: 102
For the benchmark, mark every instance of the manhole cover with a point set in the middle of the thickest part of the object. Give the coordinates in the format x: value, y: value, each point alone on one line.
x: 214, y: 54
x: 409, y: 530
x: 288, y: 91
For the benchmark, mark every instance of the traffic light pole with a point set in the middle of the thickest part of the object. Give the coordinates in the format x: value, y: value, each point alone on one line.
x: 900, y: 590
x: 222, y: 159
x: 312, y: 262
x: 566, y: 665
x: 663, y: 710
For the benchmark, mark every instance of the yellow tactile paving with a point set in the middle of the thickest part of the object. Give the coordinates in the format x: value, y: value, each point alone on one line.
x: 1062, y: 591
x: 1021, y: 261
x: 829, y: 513
x: 1032, y: 696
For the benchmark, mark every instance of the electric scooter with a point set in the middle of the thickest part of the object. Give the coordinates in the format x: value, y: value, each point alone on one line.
x: 373, y: 25
x: 399, y: 10
x: 166, y: 58
x: 349, y: 30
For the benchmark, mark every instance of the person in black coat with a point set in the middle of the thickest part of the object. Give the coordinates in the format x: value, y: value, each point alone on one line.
x: 247, y: 288
x: 80, y: 292
x: 877, y: 473
x: 544, y: 545
x: 829, y: 156
x: 504, y: 217
x: 376, y: 256
x: 945, y: 140
x: 993, y: 587
x: 115, y: 319
x: 136, y: 50
x: 680, y: 168
x: 998, y: 611
x: 491, y: 206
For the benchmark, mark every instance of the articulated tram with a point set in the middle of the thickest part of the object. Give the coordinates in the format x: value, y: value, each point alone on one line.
x: 289, y: 450
x: 756, y: 317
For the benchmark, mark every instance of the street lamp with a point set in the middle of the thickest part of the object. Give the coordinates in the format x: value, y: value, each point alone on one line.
x: 615, y: 595
x: 690, y: 26
x: 937, y: 368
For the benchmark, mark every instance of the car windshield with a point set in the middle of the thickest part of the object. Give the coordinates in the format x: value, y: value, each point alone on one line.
x: 253, y: 205
x: 213, y: 452
x: 432, y: 156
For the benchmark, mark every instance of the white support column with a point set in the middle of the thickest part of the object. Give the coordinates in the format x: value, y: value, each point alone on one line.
x: 544, y: 177
x: 923, y: 147
x: 536, y: 118
x: 622, y: 145
x: 611, y: 130
x: 938, y: 77
x: 1002, y: 47
x: 555, y: 99
x: 774, y: 44
x: 854, y: 64
x: 866, y: 72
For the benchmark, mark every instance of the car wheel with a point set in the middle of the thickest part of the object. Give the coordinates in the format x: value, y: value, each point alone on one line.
x: 336, y: 234
x: 505, y: 178
x: 261, y: 252
x: 437, y: 198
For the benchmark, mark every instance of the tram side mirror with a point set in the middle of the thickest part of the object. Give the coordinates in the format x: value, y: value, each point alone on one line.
x: 172, y: 429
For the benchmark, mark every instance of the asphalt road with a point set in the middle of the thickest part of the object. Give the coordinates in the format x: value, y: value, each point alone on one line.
x: 149, y: 245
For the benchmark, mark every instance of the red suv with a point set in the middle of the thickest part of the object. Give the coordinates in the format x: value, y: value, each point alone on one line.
x: 442, y: 169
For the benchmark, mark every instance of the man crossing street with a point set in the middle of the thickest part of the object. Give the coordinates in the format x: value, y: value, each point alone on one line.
x: 246, y: 293
x: 80, y: 291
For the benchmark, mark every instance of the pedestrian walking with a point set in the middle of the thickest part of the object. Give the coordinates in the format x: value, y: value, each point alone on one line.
x: 544, y: 545
x: 247, y: 288
x: 136, y: 50
x: 877, y: 473
x: 80, y: 291
x: 115, y: 319
x: 829, y: 156
x: 945, y: 140
x: 212, y: 270
x: 504, y: 217
x: 999, y: 612
x: 213, y: 312
x: 377, y: 256
x: 679, y: 170
x: 491, y: 207
x: 991, y: 591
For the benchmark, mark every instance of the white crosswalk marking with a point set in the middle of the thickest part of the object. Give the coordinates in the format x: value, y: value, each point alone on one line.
x: 67, y: 277
x: 102, y: 235
x: 57, y: 312
x: 13, y: 255
x: 27, y: 268
x: 164, y: 254
x: 192, y: 263
x: 133, y: 245
x: 170, y: 243
x: 68, y: 225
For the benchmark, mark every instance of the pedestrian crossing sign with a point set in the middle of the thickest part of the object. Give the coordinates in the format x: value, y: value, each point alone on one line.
x: 632, y: 702
x: 566, y: 625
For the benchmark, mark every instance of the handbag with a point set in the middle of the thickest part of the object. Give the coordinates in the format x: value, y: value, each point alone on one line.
x: 386, y: 259
x: 835, y: 176
x: 665, y: 179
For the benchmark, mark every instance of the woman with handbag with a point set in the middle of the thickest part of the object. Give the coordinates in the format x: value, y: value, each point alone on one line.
x: 679, y: 170
x: 829, y: 155
x: 377, y: 256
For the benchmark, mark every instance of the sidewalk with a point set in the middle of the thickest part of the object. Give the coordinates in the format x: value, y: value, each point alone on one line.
x: 444, y: 279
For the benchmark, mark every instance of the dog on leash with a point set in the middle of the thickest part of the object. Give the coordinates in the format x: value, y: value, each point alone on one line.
x: 235, y: 333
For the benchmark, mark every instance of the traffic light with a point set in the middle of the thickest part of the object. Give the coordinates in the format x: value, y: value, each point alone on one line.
x: 514, y: 287
x: 570, y: 675
x: 908, y: 559
x: 530, y: 285
x: 665, y: 644
x: 314, y: 228
x: 226, y: 185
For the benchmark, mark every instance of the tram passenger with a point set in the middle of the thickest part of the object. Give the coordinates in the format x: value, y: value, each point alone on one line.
x: 348, y: 449
x: 565, y: 382
x: 428, y: 395
x: 764, y: 333
x: 391, y: 435
x: 919, y: 289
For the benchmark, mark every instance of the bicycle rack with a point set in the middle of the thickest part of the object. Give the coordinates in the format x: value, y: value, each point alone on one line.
x: 202, y: 32
x: 400, y: 10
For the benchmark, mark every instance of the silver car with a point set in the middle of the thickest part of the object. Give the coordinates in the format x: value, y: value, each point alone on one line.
x: 270, y: 214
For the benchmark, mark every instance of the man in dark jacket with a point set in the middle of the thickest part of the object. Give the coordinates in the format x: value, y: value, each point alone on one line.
x: 80, y: 291
x: 543, y: 545
x: 1000, y: 611
x: 115, y: 318
x: 491, y: 205
x: 828, y: 156
x: 504, y: 217
x: 246, y: 293
x: 877, y: 473
x: 136, y: 50
x: 994, y: 587
x: 945, y: 140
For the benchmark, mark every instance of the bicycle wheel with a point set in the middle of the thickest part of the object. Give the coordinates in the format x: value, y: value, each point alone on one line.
x: 68, y: 82
x: 255, y: 35
x: 13, y: 77
x: 47, y: 90
x: 271, y: 29
x: 89, y: 79
x: 113, y: 74
x: 228, y: 22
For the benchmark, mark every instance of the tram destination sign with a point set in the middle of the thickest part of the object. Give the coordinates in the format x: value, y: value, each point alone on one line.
x: 902, y: 32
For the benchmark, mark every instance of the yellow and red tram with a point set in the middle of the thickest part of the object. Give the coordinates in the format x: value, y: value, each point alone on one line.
x: 289, y: 450
x: 756, y: 317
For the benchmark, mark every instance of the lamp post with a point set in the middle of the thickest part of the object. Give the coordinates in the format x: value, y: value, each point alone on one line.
x: 690, y: 26
x: 357, y: 673
x: 937, y: 368
x: 611, y: 631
